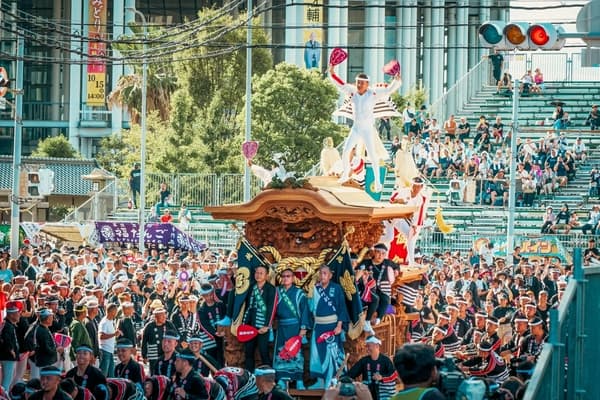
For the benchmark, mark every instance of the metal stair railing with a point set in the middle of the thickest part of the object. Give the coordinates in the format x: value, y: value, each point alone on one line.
x: 96, y: 208
x: 464, y: 89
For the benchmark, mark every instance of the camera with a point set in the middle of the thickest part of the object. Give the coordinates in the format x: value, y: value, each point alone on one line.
x: 449, y: 376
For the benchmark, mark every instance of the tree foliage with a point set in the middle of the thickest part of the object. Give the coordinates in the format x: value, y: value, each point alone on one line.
x: 291, y: 115
x: 56, y: 146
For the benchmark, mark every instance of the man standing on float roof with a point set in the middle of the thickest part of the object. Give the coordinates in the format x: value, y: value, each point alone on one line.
x: 363, y: 99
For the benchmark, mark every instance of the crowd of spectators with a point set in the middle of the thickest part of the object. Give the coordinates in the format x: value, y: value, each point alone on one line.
x: 478, y: 168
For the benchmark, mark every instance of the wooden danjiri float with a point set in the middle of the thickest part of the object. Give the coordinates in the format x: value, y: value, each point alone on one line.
x: 297, y: 222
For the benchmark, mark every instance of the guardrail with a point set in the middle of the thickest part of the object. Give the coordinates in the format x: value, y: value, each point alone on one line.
x: 566, y: 368
x: 558, y: 67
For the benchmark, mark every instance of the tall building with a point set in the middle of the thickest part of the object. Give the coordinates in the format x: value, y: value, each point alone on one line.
x: 65, y: 87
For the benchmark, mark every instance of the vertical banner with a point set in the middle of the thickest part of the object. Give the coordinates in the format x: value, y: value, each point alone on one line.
x: 313, y: 34
x: 96, y: 68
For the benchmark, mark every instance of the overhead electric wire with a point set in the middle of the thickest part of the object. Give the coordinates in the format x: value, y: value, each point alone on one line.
x: 167, y: 49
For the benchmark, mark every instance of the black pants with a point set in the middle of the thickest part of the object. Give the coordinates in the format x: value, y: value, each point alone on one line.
x: 372, y: 306
x: 262, y: 342
x: 384, y: 302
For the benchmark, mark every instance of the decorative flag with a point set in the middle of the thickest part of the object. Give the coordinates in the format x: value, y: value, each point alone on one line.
x: 343, y: 273
x: 248, y: 259
x: 370, y: 181
x: 398, y: 251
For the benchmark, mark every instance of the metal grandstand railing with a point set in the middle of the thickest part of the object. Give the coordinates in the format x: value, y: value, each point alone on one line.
x: 566, y: 368
x: 460, y: 93
x: 97, y: 207
x: 556, y: 67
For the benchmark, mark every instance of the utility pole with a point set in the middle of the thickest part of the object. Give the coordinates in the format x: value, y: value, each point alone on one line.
x: 248, y: 131
x: 141, y: 216
x: 512, y: 189
x: 18, y: 110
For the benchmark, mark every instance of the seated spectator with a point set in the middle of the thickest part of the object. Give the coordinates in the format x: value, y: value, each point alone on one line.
x: 505, y: 83
x: 570, y: 164
x: 591, y: 254
x: 166, y: 217
x: 548, y: 220
x: 594, y: 183
x: 527, y: 83
x: 499, y: 195
x: 485, y: 143
x: 574, y: 221
x: 579, y: 150
x: 538, y: 79
x: 445, y: 163
x: 426, y: 128
x: 561, y: 169
x: 548, y: 181
x: 455, y: 190
x: 566, y: 121
x: 414, y: 129
x: 557, y: 116
x: 396, y: 145
x: 498, y: 130
x: 464, y: 129
x: 562, y: 220
x: 593, y: 118
x: 450, y: 127
x: 528, y: 186
x: 431, y: 165
x: 593, y: 220
x: 434, y: 129
x: 385, y: 127
x: 481, y: 128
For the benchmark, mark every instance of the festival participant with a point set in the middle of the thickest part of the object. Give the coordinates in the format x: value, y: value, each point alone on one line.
x: 75, y: 391
x: 166, y: 364
x: 267, y: 388
x: 9, y: 351
x: 209, y: 313
x: 409, y: 227
x: 384, y: 272
x: 91, y: 324
x: 188, y: 384
x: 43, y: 345
x: 157, y: 388
x: 185, y: 320
x: 77, y: 331
x: 329, y: 309
x: 488, y: 364
x: 88, y: 376
x: 152, y: 336
x: 127, y: 367
x: 377, y: 371
x: 50, y: 382
x: 363, y: 101
x: 125, y: 323
x: 259, y: 313
x: 200, y: 365
x: 491, y: 333
x: 532, y: 344
x: 293, y: 319
x: 108, y: 335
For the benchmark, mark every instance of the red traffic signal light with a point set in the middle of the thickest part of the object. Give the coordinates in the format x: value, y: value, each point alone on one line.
x: 545, y: 36
x: 521, y: 35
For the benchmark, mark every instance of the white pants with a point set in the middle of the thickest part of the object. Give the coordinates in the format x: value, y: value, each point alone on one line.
x: 20, y: 368
x: 403, y: 226
x: 368, y: 135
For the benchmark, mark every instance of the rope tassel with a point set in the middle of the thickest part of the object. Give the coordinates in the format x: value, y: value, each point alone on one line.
x: 439, y: 220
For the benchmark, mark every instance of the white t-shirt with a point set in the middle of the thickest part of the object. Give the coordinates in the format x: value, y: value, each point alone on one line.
x: 107, y: 326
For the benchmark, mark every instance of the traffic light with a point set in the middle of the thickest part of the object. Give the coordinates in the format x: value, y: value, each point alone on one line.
x: 33, y: 184
x: 521, y: 35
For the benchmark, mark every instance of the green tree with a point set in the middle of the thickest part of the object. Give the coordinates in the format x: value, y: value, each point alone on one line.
x: 56, y: 146
x: 291, y: 115
x: 121, y: 150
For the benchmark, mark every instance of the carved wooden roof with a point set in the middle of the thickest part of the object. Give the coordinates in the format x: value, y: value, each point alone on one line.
x: 329, y: 202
